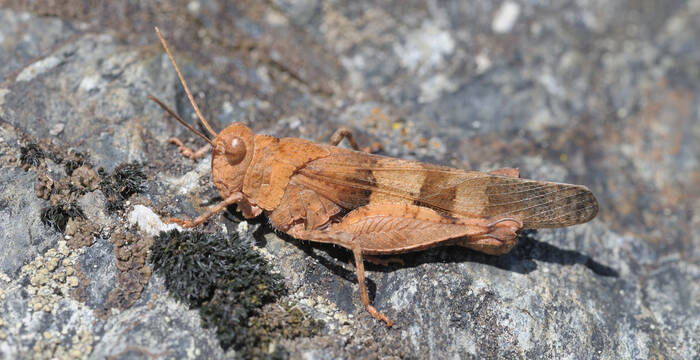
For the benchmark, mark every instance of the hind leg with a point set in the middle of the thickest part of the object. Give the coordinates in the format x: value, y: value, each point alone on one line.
x: 360, y: 268
x: 388, y: 228
x: 348, y: 241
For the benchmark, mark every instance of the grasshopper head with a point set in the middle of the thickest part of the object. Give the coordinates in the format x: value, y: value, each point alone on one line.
x: 232, y: 147
x: 231, y: 155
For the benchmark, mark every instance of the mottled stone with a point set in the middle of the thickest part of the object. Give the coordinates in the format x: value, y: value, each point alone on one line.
x: 23, y: 234
x: 596, y: 93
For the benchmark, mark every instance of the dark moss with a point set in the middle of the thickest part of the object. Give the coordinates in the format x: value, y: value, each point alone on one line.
x: 71, y: 165
x: 57, y: 216
x: 54, y: 157
x: 125, y: 180
x: 276, y: 322
x: 228, y: 281
x: 73, y: 162
x: 31, y: 155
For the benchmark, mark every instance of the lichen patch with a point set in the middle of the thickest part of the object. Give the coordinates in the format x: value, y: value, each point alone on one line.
x: 51, y: 276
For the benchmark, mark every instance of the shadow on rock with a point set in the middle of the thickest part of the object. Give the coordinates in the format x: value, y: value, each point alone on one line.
x: 522, y: 259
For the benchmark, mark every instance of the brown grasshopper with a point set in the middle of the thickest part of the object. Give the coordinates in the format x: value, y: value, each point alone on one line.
x: 375, y: 205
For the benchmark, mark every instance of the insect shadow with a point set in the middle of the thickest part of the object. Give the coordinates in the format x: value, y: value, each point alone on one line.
x: 333, y: 260
x: 522, y: 259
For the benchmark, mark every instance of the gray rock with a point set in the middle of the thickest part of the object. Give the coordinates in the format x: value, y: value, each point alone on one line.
x: 99, y: 266
x: 594, y: 93
x: 92, y: 203
x: 98, y: 89
x: 29, y: 37
x: 164, y: 330
x: 22, y: 233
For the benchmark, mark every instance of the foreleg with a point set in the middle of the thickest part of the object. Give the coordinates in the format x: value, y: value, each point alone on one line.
x: 188, y: 223
x: 189, y: 153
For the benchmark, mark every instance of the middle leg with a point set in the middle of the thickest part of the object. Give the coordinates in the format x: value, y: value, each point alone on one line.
x: 345, y: 133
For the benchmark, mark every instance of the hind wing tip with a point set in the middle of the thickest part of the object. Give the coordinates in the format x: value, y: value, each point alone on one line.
x: 581, y: 207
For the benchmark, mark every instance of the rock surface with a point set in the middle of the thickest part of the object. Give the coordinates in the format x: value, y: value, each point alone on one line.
x: 596, y: 93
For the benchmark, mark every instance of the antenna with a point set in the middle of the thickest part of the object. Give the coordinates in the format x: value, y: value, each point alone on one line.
x: 178, y: 118
x: 184, y: 84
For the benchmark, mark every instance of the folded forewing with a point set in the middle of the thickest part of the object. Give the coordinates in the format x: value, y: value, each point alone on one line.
x: 351, y: 178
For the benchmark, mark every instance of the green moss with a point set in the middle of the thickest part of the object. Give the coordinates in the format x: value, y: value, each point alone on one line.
x: 31, y: 155
x: 57, y: 216
x: 125, y: 180
x: 228, y: 281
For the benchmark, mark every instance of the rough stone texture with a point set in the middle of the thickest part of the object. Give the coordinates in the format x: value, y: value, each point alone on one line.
x: 591, y: 92
x: 23, y: 234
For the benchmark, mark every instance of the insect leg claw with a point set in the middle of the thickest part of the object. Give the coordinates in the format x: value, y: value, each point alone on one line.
x: 379, y: 316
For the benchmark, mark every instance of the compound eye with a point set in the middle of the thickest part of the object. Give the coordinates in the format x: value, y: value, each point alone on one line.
x: 235, y: 150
